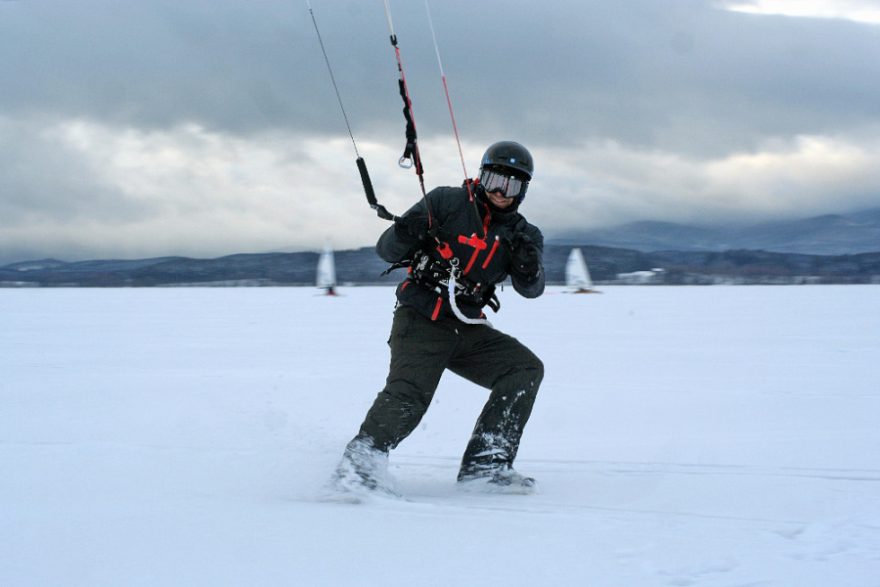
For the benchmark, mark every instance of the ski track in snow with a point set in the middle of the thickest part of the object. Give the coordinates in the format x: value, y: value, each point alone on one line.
x: 715, y: 436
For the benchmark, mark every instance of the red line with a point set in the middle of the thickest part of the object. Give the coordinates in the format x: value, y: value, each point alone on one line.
x: 491, y: 253
x: 437, y: 308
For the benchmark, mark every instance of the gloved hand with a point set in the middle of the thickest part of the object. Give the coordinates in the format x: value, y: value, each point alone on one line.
x: 525, y: 257
x: 413, y: 228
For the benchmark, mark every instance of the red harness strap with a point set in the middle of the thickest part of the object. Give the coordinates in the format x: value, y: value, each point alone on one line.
x: 437, y: 308
x: 491, y: 253
x: 477, y: 243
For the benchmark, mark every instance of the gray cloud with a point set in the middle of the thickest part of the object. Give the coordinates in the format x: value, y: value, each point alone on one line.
x: 636, y: 103
x: 680, y: 73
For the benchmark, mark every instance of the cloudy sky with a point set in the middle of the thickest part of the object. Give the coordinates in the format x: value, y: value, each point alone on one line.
x: 135, y: 128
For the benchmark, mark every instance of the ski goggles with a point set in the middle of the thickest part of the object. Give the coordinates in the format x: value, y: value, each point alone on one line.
x: 510, y: 186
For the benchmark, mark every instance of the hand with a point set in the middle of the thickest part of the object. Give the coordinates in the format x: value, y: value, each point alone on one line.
x: 412, y: 228
x: 525, y: 256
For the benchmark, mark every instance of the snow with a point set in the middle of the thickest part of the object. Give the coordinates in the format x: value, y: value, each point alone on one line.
x: 712, y: 436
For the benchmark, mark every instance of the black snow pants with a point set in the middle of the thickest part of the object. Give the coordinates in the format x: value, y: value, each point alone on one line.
x: 421, y: 350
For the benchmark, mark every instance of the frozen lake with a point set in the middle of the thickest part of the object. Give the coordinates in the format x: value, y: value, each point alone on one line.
x: 713, y: 436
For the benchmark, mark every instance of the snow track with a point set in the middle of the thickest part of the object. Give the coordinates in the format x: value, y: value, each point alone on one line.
x: 713, y: 436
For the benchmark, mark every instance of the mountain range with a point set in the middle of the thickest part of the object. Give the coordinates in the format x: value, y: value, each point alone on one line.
x: 823, y: 249
x: 831, y: 234
x: 361, y: 266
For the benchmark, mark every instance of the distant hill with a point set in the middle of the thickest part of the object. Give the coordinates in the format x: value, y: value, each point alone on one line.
x: 362, y: 266
x: 830, y: 234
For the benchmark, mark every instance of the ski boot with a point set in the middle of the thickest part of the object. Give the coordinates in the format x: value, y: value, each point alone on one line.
x: 496, y: 479
x: 362, y: 472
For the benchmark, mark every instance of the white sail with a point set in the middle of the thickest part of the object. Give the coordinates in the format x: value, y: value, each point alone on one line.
x: 327, y: 270
x: 577, y: 276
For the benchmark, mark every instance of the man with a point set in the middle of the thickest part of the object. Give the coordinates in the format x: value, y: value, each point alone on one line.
x: 468, y: 245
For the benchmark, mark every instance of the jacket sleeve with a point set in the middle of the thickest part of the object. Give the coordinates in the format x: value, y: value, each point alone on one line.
x: 396, y: 244
x: 534, y: 287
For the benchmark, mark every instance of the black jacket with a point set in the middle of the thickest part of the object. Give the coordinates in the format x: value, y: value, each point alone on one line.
x: 484, y: 262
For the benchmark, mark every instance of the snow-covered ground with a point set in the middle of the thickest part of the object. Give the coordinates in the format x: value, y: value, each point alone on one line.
x: 683, y: 436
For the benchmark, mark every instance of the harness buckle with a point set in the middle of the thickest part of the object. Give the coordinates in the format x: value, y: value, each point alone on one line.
x: 455, y: 271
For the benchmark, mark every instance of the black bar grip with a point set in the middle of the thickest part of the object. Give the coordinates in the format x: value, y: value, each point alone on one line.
x: 365, y: 179
x: 371, y: 195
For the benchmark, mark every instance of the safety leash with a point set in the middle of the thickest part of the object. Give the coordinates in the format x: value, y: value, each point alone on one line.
x: 458, y: 313
x: 411, y: 157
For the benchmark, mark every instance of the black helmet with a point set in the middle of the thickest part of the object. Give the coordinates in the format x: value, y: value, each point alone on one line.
x: 509, y: 166
x: 510, y: 155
